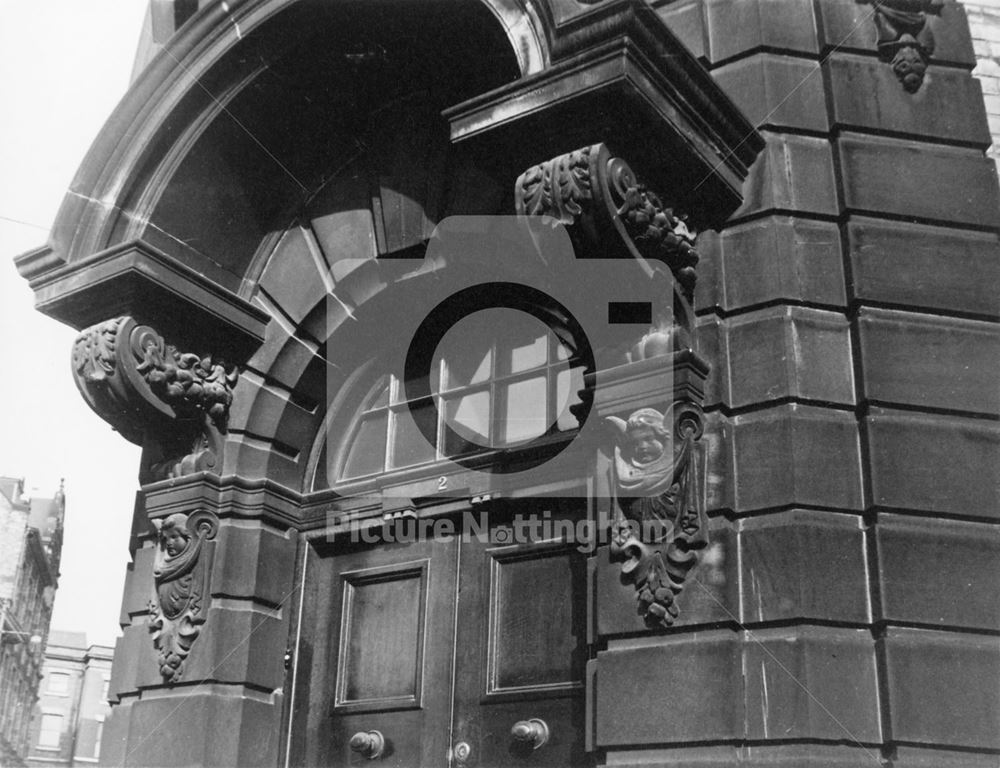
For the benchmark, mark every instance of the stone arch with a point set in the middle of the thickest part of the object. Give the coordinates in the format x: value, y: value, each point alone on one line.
x: 216, y: 77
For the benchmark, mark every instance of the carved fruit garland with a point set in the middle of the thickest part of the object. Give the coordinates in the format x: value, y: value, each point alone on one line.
x: 660, y: 528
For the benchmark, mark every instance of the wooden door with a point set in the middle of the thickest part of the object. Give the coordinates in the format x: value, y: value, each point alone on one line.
x: 382, y: 660
x: 440, y: 642
x: 521, y: 653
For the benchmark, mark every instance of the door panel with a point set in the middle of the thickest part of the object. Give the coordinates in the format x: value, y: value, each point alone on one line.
x: 437, y: 642
x: 521, y: 653
x: 390, y: 659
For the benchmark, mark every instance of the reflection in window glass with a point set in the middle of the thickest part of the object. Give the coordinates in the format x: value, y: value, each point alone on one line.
x: 500, y: 377
x: 368, y: 449
x: 524, y: 415
x: 409, y: 446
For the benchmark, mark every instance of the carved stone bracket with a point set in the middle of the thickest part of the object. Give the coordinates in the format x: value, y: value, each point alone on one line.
x: 607, y: 209
x: 181, y: 574
x: 905, y: 38
x: 175, y: 404
x: 659, y: 528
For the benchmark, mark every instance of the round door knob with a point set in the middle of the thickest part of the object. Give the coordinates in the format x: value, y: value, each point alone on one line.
x: 533, y: 731
x: 462, y: 752
x: 371, y: 744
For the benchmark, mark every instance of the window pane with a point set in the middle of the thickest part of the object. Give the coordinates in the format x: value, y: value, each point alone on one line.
x: 469, y: 417
x: 367, y: 453
x: 568, y: 386
x: 469, y: 365
x: 529, y: 354
x: 51, y: 729
x: 409, y: 445
x: 524, y: 412
x: 525, y: 339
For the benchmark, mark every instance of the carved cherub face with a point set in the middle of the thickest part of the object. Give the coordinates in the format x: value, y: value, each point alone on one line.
x: 175, y: 538
x: 646, y: 443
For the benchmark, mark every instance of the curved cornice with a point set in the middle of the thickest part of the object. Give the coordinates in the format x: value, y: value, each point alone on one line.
x: 159, y: 104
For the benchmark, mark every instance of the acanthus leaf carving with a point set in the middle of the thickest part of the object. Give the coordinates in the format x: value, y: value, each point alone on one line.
x: 181, y: 575
x: 905, y: 38
x: 609, y: 212
x: 173, y: 403
x: 659, y: 528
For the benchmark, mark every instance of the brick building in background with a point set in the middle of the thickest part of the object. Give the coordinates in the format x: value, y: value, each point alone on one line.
x: 229, y: 251
x: 73, y: 702
x: 30, y: 547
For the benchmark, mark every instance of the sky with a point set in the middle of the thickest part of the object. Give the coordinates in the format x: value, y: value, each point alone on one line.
x: 64, y: 65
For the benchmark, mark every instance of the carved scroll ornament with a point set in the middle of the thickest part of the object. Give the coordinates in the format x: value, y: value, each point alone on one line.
x: 610, y: 213
x: 590, y: 188
x: 174, y: 404
x: 660, y: 527
x: 905, y: 38
x: 181, y: 573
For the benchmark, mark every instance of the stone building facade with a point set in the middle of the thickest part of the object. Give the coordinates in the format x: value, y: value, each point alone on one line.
x: 68, y: 721
x: 684, y: 314
x: 30, y: 547
x: 984, y: 23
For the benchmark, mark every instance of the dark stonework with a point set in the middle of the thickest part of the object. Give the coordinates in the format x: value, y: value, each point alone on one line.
x: 809, y: 431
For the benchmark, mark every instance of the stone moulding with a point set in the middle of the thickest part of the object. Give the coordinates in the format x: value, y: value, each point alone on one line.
x: 905, y: 38
x: 174, y: 404
x: 659, y: 528
x: 181, y: 574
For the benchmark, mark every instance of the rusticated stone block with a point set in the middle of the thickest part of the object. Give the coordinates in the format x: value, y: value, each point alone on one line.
x: 711, y: 345
x: 909, y: 178
x: 849, y: 25
x: 783, y: 352
x: 866, y: 94
x: 707, y: 290
x: 796, y: 454
x: 757, y: 756
x: 669, y: 689
x: 240, y: 643
x: 204, y: 727
x: 930, y: 361
x: 793, y: 173
x: 914, y: 757
x: 780, y: 91
x: 780, y: 257
x: 710, y: 595
x: 253, y: 562
x: 939, y: 571
x: 738, y: 26
x: 803, y: 564
x: 811, y: 683
x: 934, y: 463
x: 136, y: 664
x: 686, y: 21
x: 942, y: 688
x: 138, y: 590
x: 716, y: 446
x: 924, y: 266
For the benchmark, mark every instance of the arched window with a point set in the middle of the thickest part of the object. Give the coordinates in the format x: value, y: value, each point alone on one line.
x: 499, y: 379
